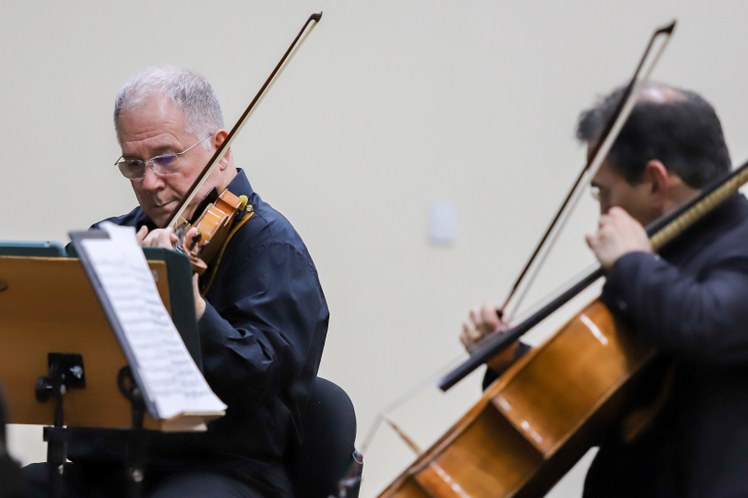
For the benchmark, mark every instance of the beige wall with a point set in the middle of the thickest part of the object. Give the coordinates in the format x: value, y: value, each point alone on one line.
x: 388, y: 107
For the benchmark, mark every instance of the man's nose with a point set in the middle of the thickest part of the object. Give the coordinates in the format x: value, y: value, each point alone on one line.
x: 151, y: 181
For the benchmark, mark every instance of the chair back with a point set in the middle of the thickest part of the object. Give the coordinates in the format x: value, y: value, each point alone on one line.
x: 327, y: 456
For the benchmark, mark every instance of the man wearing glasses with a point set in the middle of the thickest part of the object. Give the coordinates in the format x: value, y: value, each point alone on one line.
x: 688, y: 302
x: 262, y: 316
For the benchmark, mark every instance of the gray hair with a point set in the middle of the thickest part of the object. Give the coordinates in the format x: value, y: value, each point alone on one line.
x: 191, y: 92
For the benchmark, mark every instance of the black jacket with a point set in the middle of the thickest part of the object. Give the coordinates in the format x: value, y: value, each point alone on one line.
x: 261, y: 338
x: 691, y: 304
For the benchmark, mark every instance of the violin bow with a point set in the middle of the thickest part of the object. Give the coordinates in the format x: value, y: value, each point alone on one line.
x: 221, y: 151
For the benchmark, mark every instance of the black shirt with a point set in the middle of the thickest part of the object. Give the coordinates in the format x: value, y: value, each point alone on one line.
x: 262, y: 337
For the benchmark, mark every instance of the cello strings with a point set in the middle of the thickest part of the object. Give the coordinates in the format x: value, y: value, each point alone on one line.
x: 419, y: 387
x: 430, y: 381
x: 555, y: 292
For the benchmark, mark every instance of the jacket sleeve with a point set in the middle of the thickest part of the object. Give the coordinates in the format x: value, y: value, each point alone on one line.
x: 697, y: 317
x: 268, y: 327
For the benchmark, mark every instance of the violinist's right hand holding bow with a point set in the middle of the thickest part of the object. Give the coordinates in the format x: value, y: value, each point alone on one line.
x: 483, y: 321
x: 167, y: 239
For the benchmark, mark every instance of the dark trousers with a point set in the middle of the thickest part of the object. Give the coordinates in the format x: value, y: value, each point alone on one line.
x: 11, y: 479
x: 87, y: 481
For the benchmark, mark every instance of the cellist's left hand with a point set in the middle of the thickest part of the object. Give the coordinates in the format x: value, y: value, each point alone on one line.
x: 483, y: 321
x: 617, y: 234
x: 165, y: 237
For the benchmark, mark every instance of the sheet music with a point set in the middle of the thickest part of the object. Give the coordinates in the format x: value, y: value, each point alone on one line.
x: 169, y: 375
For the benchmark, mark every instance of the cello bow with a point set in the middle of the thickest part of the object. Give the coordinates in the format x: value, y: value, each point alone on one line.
x: 660, y: 232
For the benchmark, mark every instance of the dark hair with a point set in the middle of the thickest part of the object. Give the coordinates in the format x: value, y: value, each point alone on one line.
x: 682, y: 131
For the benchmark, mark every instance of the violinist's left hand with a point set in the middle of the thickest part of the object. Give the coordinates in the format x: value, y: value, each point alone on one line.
x: 617, y: 234
x: 165, y: 237
x: 199, y: 301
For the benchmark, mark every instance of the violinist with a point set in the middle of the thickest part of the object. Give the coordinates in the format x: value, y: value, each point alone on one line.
x: 688, y: 302
x: 262, y: 315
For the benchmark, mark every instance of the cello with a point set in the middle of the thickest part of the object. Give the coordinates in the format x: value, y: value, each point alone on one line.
x: 530, y: 426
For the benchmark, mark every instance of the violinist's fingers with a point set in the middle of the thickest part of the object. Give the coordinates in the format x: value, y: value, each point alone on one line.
x: 141, y: 234
x: 191, y: 238
x: 160, y: 237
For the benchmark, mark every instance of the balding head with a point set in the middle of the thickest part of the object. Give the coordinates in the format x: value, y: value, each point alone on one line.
x: 675, y: 126
x: 656, y: 93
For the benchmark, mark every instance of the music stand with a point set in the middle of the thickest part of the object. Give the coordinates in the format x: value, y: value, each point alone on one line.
x: 55, y: 334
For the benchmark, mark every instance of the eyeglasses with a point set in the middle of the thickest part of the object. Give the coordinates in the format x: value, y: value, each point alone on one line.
x: 165, y: 164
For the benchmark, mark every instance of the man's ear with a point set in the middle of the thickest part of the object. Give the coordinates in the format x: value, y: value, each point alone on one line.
x: 218, y: 139
x: 660, y: 181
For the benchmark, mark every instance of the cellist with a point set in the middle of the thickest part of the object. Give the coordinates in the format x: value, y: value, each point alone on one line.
x: 262, y: 315
x: 689, y: 301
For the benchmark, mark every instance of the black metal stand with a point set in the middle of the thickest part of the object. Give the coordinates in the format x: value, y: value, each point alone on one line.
x: 138, y: 439
x: 57, y: 444
x: 65, y: 372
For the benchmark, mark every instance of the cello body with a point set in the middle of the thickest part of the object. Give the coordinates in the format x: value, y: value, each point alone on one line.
x: 535, y: 422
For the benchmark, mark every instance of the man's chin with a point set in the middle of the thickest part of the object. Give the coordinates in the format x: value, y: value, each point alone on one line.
x: 158, y: 216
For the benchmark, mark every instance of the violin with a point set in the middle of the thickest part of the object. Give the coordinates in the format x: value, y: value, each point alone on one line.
x: 214, y: 223
x: 212, y: 228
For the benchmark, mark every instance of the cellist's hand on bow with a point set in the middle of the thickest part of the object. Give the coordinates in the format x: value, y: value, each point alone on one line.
x: 617, y: 234
x: 483, y: 321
